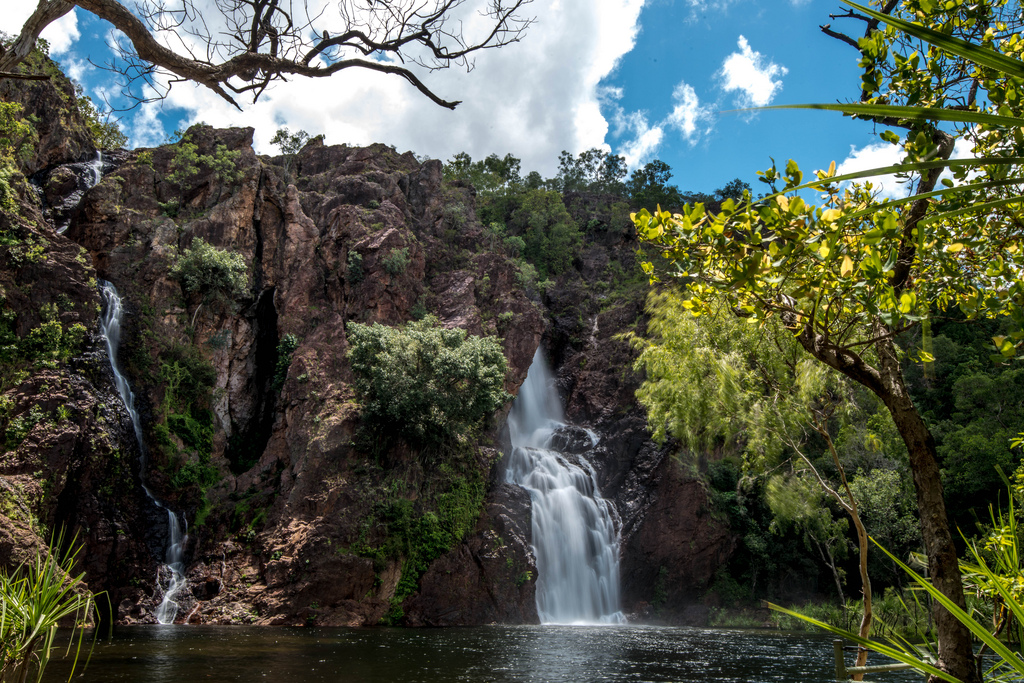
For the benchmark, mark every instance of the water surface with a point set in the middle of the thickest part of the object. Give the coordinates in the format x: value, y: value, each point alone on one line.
x: 498, y: 654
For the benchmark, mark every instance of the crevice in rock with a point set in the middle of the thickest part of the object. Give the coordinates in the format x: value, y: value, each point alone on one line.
x: 248, y: 441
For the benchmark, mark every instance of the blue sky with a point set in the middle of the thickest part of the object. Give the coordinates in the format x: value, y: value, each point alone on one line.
x: 646, y: 78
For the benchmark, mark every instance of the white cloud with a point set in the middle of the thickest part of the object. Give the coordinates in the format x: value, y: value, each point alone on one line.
x: 876, y: 155
x: 61, y: 34
x: 688, y: 114
x: 645, y: 139
x: 533, y: 98
x: 755, y: 79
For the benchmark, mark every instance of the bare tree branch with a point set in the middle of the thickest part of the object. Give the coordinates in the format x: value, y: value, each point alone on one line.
x: 249, y: 44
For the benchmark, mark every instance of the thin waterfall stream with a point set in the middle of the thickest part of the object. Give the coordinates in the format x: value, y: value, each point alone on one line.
x: 174, y: 559
x: 96, y: 168
x: 575, y: 530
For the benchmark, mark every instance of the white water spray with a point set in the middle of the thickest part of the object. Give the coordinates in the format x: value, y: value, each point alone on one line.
x: 575, y: 535
x: 96, y: 168
x: 174, y: 567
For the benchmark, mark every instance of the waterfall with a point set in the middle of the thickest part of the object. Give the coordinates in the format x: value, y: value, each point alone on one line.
x: 88, y: 174
x: 174, y: 560
x: 575, y: 536
x: 96, y: 168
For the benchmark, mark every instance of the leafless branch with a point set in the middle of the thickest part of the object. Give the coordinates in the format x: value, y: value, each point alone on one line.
x: 247, y: 45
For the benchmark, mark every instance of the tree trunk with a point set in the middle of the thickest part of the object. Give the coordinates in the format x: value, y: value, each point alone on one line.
x: 956, y: 652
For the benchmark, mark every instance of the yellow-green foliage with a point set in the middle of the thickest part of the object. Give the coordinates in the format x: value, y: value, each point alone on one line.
x: 17, y: 138
x: 34, y: 600
x: 187, y: 162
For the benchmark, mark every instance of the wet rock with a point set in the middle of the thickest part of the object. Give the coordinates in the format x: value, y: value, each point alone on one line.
x: 491, y: 578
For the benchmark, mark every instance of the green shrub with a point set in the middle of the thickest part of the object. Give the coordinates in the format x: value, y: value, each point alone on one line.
x: 420, y: 532
x: 354, y: 268
x: 216, y: 274
x: 396, y: 261
x: 18, y: 138
x: 455, y: 215
x: 187, y: 162
x: 550, y: 235
x: 423, y: 382
x: 50, y: 341
x: 285, y: 348
x: 171, y: 207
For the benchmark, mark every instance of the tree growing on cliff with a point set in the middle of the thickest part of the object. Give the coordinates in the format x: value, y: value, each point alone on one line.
x: 426, y: 383
x: 244, y: 46
x: 850, y: 275
x: 212, y: 275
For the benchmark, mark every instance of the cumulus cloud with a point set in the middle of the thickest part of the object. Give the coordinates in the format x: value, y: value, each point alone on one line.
x: 641, y: 139
x: 876, y: 155
x: 755, y: 79
x: 533, y: 98
x: 644, y: 138
x: 61, y: 34
x: 689, y: 116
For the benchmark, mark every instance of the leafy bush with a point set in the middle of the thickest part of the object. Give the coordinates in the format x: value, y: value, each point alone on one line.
x: 187, y: 162
x: 285, y: 348
x: 215, y: 273
x: 423, y: 382
x: 17, y: 139
x: 396, y: 261
x: 188, y: 384
x: 354, y: 268
x: 50, y: 341
x: 551, y: 237
x: 420, y: 531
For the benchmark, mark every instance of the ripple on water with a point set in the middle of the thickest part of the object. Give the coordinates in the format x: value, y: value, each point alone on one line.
x: 496, y: 654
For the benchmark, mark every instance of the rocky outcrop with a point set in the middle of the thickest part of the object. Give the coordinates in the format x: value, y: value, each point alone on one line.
x: 294, y: 512
x: 490, y: 579
x: 342, y: 234
x: 62, y: 134
x: 68, y: 462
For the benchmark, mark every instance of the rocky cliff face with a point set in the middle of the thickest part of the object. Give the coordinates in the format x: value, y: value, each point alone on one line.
x: 293, y: 514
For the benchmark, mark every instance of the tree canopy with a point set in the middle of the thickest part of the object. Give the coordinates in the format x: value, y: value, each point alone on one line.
x: 424, y: 382
x: 848, y: 275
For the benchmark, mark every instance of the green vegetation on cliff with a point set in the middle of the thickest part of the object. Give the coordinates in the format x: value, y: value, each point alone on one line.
x: 425, y: 383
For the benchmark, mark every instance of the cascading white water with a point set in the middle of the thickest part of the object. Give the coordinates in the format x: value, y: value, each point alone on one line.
x: 575, y: 536
x: 96, y: 166
x: 174, y: 567
x: 90, y: 174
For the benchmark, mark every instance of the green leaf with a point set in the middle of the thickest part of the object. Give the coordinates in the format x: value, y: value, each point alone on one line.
x: 881, y: 648
x: 910, y: 113
x: 976, y: 53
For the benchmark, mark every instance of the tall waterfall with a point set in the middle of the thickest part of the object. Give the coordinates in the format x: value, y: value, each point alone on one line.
x: 574, y: 529
x: 174, y: 567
